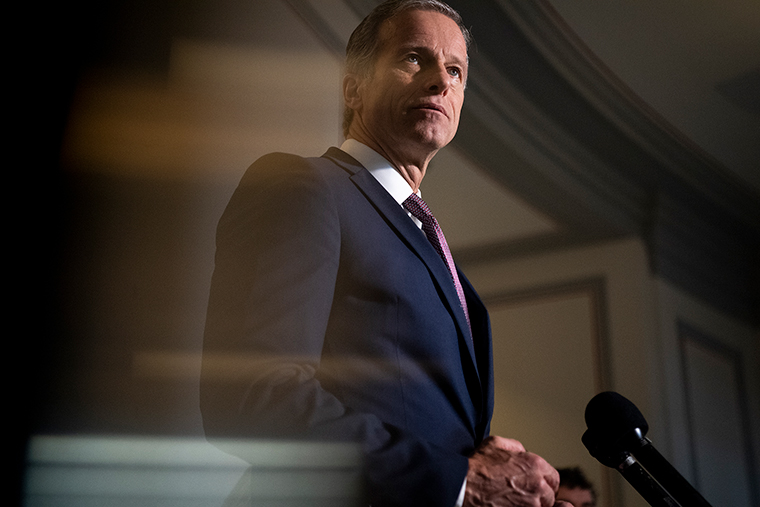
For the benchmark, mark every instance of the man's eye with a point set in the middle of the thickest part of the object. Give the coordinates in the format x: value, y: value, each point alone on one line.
x: 413, y: 59
x: 455, y: 72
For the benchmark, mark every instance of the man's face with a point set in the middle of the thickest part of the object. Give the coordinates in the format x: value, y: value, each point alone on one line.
x: 414, y: 96
x: 577, y: 496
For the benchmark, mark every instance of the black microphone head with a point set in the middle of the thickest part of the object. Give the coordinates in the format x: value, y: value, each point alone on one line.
x: 615, y: 426
x: 613, y: 415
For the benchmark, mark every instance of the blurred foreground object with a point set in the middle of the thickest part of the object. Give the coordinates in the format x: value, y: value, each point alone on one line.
x: 130, y: 471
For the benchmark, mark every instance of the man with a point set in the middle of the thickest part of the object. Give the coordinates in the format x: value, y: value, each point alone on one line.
x: 362, y: 327
x: 575, y: 488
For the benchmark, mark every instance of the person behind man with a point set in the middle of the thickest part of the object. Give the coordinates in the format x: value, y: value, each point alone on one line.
x: 575, y: 488
x: 332, y: 273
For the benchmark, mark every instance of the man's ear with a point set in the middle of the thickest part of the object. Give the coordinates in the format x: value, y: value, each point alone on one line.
x: 352, y: 91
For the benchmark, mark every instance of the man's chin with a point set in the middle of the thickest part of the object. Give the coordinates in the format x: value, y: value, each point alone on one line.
x: 434, y: 138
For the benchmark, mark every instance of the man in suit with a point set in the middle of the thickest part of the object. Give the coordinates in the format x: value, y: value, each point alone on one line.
x: 361, y: 327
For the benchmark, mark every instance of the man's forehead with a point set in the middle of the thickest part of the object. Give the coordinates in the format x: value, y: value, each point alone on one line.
x: 415, y: 28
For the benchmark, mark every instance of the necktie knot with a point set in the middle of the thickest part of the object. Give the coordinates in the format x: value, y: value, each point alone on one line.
x: 417, y: 207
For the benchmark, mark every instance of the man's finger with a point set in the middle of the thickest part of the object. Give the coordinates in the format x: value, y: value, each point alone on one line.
x: 508, y: 444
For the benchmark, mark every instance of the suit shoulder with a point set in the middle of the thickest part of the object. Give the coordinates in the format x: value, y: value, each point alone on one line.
x: 290, y: 164
x: 278, y: 180
x: 274, y: 165
x: 294, y: 175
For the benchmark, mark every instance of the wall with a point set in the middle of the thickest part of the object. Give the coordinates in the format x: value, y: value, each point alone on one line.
x: 571, y: 323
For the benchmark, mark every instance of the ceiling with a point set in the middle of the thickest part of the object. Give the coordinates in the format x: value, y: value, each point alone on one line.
x: 696, y: 63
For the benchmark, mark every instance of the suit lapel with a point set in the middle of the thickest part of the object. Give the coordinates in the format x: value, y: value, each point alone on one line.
x: 481, y: 328
x: 414, y: 237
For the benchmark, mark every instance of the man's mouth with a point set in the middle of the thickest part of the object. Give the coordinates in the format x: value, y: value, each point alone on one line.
x: 432, y: 107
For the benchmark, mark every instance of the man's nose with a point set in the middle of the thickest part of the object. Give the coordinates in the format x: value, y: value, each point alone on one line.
x: 438, y: 79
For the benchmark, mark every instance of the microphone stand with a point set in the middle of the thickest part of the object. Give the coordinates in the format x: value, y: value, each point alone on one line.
x: 650, y: 474
x: 644, y: 484
x: 667, y: 475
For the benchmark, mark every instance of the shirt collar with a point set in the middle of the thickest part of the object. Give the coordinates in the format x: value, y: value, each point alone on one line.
x: 380, y: 168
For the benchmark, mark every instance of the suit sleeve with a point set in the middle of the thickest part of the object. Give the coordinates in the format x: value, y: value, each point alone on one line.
x: 277, y: 259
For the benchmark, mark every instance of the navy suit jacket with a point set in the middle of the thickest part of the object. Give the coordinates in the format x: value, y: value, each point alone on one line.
x: 353, y: 327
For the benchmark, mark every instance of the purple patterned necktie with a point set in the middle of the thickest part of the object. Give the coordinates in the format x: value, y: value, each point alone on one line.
x: 417, y: 207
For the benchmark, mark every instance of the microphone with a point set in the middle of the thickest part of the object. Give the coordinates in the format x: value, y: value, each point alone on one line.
x: 616, y: 438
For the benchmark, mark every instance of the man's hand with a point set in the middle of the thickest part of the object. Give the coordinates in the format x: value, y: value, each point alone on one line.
x: 503, y: 474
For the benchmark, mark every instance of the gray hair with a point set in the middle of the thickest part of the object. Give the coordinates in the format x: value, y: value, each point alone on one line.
x: 364, y: 44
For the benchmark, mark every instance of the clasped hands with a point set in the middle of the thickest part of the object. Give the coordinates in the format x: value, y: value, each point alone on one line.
x: 503, y: 474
